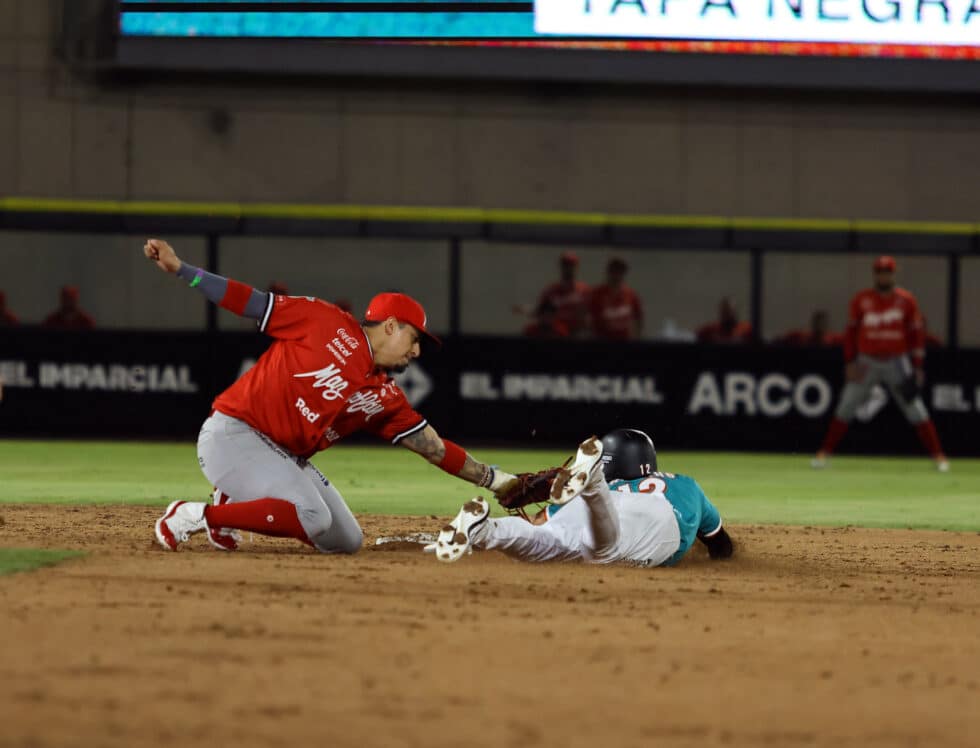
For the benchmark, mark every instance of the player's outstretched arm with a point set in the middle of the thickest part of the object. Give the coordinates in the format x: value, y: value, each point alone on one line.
x: 452, y: 458
x: 236, y: 297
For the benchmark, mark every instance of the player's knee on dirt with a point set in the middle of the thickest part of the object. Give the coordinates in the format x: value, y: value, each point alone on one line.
x: 349, y: 542
x: 719, y: 545
x: 338, y: 538
x: 316, y: 520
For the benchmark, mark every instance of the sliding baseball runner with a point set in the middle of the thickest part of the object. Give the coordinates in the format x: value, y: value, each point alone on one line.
x: 610, y: 505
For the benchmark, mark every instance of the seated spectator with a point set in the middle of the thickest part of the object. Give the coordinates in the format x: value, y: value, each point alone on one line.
x: 69, y: 315
x: 7, y: 317
x: 616, y: 310
x: 546, y: 323
x: 568, y: 296
x: 727, y: 329
x: 817, y: 334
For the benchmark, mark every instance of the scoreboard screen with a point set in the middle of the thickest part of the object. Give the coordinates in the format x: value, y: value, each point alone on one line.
x: 890, y: 44
x: 331, y: 19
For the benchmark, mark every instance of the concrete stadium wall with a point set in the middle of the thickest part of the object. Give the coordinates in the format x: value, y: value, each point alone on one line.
x: 335, y: 269
x: 117, y: 285
x: 679, y: 290
x: 593, y: 148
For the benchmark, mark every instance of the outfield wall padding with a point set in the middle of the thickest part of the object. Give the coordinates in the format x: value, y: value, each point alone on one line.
x: 134, y: 385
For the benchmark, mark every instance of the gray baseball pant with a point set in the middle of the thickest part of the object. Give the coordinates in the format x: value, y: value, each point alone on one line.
x: 247, y: 465
x: 891, y: 372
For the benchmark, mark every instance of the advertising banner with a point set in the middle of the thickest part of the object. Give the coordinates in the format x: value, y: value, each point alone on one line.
x: 939, y: 22
x: 893, y: 45
x: 493, y: 390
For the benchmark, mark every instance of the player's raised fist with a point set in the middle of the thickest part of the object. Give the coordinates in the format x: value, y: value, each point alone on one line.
x: 162, y: 254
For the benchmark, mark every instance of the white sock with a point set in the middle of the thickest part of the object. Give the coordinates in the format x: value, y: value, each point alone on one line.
x: 603, y: 518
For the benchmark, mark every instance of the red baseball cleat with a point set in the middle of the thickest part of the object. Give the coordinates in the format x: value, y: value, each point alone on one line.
x: 181, y: 520
x: 223, y: 538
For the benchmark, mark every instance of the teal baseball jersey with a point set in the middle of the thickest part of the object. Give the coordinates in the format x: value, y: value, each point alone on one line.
x: 692, y: 509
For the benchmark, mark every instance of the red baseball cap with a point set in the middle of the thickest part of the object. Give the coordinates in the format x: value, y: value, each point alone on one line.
x: 401, y: 307
x: 885, y: 262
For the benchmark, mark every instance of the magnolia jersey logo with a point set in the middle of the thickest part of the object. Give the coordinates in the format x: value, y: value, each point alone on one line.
x: 880, y: 319
x: 368, y: 403
x: 328, y: 379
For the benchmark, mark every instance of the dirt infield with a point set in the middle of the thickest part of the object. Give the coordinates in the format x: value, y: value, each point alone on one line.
x: 808, y: 637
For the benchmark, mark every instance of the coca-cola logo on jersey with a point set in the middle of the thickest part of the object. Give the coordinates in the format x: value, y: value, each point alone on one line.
x: 347, y: 338
x: 328, y: 379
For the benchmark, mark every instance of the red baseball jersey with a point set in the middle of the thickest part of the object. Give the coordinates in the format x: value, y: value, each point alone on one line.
x: 317, y: 382
x: 615, y: 312
x: 571, y: 303
x: 884, y: 325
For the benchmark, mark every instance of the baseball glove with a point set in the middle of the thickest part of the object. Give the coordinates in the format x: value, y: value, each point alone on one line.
x: 527, y: 488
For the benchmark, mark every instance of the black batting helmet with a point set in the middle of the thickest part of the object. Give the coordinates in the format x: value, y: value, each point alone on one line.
x: 628, y: 454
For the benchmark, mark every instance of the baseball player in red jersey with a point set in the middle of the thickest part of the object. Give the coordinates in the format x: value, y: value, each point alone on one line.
x: 884, y: 343
x: 617, y: 313
x: 569, y: 297
x: 324, y: 377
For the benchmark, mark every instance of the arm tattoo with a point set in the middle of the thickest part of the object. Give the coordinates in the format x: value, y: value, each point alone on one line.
x: 426, y: 443
x: 475, y: 472
x: 429, y: 444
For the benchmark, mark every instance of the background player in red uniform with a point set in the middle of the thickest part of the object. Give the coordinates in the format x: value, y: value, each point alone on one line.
x: 546, y: 323
x: 324, y: 377
x: 617, y: 313
x: 727, y: 328
x: 569, y: 297
x: 69, y: 315
x: 7, y: 317
x: 884, y: 343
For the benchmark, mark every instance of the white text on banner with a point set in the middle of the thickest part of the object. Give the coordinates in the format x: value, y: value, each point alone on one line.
x: 931, y: 22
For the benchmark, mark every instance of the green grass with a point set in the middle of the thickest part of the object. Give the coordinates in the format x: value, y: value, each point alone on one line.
x: 755, y: 488
x: 24, y: 559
